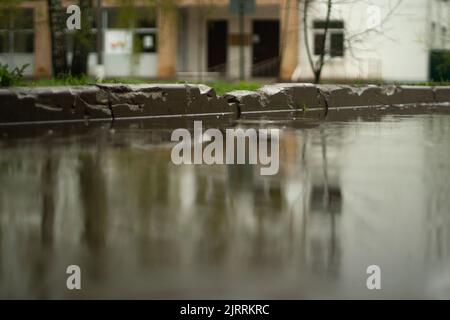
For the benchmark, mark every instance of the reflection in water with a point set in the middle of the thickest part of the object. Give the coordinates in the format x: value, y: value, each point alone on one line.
x: 347, y: 195
x: 48, y: 202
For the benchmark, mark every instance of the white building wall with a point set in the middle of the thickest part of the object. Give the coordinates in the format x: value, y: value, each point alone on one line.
x: 398, y: 52
x: 18, y: 60
x: 124, y: 63
x: 439, y: 24
x: 141, y: 65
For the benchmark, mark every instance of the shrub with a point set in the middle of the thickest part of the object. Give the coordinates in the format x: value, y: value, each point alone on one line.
x: 11, y: 78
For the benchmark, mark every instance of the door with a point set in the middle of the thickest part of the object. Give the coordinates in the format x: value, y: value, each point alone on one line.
x: 266, y: 46
x: 217, y: 46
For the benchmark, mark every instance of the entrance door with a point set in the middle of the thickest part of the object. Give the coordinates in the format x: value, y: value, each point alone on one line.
x: 217, y: 46
x: 266, y: 46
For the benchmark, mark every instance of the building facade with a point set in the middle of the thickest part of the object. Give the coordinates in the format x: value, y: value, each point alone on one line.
x: 196, y: 39
x: 389, y: 40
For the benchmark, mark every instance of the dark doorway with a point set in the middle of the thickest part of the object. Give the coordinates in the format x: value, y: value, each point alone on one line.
x: 266, y: 46
x: 439, y: 65
x: 217, y: 46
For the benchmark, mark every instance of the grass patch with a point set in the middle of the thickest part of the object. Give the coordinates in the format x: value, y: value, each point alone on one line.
x: 221, y: 87
x: 12, y: 77
x: 64, y: 81
x: 430, y: 83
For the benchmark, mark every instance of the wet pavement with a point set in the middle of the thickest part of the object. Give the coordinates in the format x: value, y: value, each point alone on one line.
x: 349, y: 194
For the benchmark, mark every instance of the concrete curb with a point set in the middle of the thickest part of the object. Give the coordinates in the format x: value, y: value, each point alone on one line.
x: 308, y: 96
x: 108, y: 102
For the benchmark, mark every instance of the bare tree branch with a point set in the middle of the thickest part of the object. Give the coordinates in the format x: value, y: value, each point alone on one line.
x: 318, y: 70
x: 350, y: 41
x: 306, y: 33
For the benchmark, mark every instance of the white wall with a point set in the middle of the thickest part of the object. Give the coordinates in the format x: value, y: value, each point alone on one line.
x: 143, y: 65
x: 14, y: 60
x: 399, y: 52
x: 440, y: 18
x: 126, y: 65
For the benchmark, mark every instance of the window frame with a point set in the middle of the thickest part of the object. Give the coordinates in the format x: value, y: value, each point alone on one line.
x: 11, y: 32
x: 336, y: 27
x: 138, y: 32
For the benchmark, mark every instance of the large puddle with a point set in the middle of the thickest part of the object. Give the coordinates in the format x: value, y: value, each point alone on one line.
x: 348, y: 195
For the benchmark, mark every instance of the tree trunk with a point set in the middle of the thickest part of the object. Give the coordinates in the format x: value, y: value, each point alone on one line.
x: 57, y: 27
x: 318, y: 71
x: 317, y: 74
x: 83, y: 40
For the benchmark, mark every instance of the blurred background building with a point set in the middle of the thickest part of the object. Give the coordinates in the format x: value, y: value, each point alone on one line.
x: 188, y: 38
x: 389, y: 40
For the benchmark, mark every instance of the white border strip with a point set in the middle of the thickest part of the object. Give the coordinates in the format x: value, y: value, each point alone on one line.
x: 117, y: 119
x: 427, y: 104
x: 189, y: 115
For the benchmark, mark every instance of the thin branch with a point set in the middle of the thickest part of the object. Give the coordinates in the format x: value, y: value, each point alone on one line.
x: 322, y: 54
x: 306, y: 34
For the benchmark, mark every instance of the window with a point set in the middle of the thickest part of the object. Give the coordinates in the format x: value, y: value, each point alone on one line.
x: 112, y: 18
x: 334, y: 42
x: 444, y: 38
x: 23, y: 42
x: 337, y: 44
x: 140, y: 21
x: 318, y: 43
x: 332, y: 24
x: 16, y: 31
x: 4, y: 41
x: 146, y: 19
x: 70, y: 39
x: 146, y: 42
x: 124, y: 18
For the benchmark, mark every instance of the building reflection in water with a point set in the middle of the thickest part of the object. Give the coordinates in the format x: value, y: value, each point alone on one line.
x: 139, y: 226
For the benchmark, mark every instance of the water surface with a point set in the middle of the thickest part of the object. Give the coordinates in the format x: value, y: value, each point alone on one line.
x: 349, y: 194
